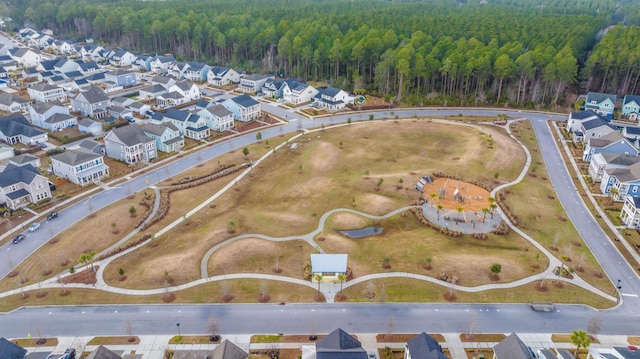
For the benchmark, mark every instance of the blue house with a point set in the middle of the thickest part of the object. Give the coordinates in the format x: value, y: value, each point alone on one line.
x: 631, y: 107
x: 196, y: 71
x: 600, y: 103
x: 625, y: 180
x: 612, y: 142
x: 244, y: 108
x: 121, y: 77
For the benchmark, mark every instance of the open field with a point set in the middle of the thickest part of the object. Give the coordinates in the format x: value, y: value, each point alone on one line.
x: 89, y: 234
x: 322, y: 171
x: 541, y: 215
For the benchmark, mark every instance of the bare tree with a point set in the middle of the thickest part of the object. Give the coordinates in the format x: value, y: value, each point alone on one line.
x: 129, y: 326
x: 472, y: 326
x: 212, y: 326
x: 595, y: 325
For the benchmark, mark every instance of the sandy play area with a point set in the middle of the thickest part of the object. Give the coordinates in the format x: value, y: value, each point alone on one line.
x: 470, y: 197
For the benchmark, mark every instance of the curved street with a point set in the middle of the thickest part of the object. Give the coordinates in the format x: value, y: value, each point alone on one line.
x: 155, y: 319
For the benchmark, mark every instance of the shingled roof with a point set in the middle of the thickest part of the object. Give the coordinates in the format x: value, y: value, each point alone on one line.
x: 227, y: 350
x: 74, y: 158
x: 131, y: 135
x: 9, y: 350
x: 423, y: 346
x: 103, y: 353
x: 339, y: 345
x: 512, y: 348
x: 17, y: 125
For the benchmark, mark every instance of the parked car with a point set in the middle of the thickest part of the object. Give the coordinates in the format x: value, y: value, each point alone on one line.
x: 18, y: 238
x: 34, y: 227
x: 372, y: 355
x: 52, y: 215
x: 150, y: 113
x: 130, y: 119
x: 110, y: 121
x: 42, y: 145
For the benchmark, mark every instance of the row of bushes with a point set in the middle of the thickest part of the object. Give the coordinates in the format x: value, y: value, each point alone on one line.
x: 64, y: 139
x: 417, y: 213
x: 195, y: 178
x: 125, y: 247
x: 147, y: 202
x: 502, y: 229
x: 444, y: 175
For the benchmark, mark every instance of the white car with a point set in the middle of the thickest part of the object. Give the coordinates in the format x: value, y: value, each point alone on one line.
x: 34, y: 227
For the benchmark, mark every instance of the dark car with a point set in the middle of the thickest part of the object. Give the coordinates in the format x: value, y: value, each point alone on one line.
x: 52, y: 215
x: 18, y: 238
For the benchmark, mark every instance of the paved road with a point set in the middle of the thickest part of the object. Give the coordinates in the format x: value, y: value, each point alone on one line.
x: 322, y: 317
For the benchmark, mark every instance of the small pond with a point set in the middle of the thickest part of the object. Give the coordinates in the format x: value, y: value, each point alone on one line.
x: 363, y: 232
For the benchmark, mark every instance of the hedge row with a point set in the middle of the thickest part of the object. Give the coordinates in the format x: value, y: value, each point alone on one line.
x: 147, y: 202
x: 195, y: 178
x: 125, y: 247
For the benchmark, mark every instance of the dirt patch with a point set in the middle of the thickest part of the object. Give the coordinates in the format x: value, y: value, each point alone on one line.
x: 87, y: 276
x: 347, y: 221
x: 474, y: 198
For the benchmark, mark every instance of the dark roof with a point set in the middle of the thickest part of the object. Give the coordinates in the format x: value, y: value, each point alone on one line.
x: 73, y: 74
x: 196, y: 66
x: 154, y: 88
x: 158, y: 130
x: 621, y: 159
x: 87, y: 122
x: 173, y: 94
x: 630, y: 98
x: 89, y: 144
x: 330, y: 91
x: 13, y: 174
x: 119, y: 72
x: 20, y: 160
x: 179, y: 115
x: 42, y: 107
x: 49, y: 64
x: 227, y: 350
x: 9, y: 350
x: 512, y: 348
x: 17, y: 125
x: 295, y: 85
x: 245, y: 100
x: 131, y: 135
x: 202, y: 103
x: 94, y: 95
x: 219, y: 110
x: 95, y: 77
x: 548, y: 354
x: 193, y: 118
x: 103, y: 353
x: 74, y: 158
x: 162, y: 79
x: 219, y: 70
x: 606, y: 140
x: 599, y: 97
x: 18, y: 194
x: 423, y: 346
x: 597, y: 122
x: 44, y: 87
x: 8, y: 99
x: 566, y: 354
x: 339, y: 345
x: 59, y: 117
x: 184, y: 85
x: 626, y: 353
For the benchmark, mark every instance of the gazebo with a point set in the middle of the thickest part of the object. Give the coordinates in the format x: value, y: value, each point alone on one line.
x: 328, y: 265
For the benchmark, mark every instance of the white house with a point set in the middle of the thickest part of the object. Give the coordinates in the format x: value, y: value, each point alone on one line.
x: 12, y: 103
x: 244, y: 108
x: 606, y: 160
x: 160, y: 64
x: 25, y: 57
x: 80, y: 167
x: 222, y: 76
x: 51, y: 116
x: 253, y: 83
x: 121, y: 58
x: 129, y: 144
x: 328, y: 265
x: 218, y: 118
x: 190, y: 125
x: 296, y: 92
x: 46, y: 93
x: 331, y: 98
x: 22, y: 185
x: 187, y: 89
x: 17, y: 129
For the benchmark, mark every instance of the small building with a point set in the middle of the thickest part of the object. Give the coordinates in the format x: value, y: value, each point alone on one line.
x: 80, y: 167
x: 6, y: 152
x: 331, y: 98
x: 89, y: 126
x: 339, y: 345
x: 328, y: 265
x: 26, y: 160
x: 91, y: 146
x: 512, y: 348
x: 9, y: 350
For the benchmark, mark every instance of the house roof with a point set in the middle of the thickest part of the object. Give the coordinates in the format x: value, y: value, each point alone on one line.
x: 158, y: 130
x: 512, y: 348
x: 94, y: 95
x: 74, y: 158
x: 219, y: 70
x: 196, y: 66
x: 118, y: 72
x: 165, y: 59
x: 153, y: 88
x: 606, y: 140
x: 202, y: 103
x: 296, y: 85
x: 330, y: 91
x: 23, y: 159
x: 9, y: 350
x: 219, y: 111
x: 42, y: 107
x: 103, y: 353
x: 257, y: 77
x: 13, y: 174
x: 95, y: 77
x: 91, y: 65
x: 190, y: 354
x: 599, y: 97
x: 597, y: 122
x: 339, y: 345
x: 244, y: 100
x: 87, y: 123
x: 44, y: 87
x: 172, y: 95
x: 48, y: 64
x: 631, y: 130
x: 631, y: 98
x: 548, y: 354
x: 8, y: 99
x: 89, y: 145
x: 59, y: 117
x: 18, y: 125
x: 179, y: 115
x: 74, y: 74
x: 227, y: 350
x: 184, y: 85
x: 423, y: 346
x: 328, y: 263
x: 130, y: 135
x: 162, y: 79
x: 626, y: 353
x: 566, y: 354
x: 627, y: 174
x: 619, y: 158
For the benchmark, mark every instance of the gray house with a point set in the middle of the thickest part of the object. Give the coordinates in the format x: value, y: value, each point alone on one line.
x: 129, y: 144
x: 339, y: 345
x: 17, y: 129
x: 51, y: 116
x: 80, y: 167
x: 512, y: 348
x: 121, y: 77
x: 22, y: 185
x: 92, y: 102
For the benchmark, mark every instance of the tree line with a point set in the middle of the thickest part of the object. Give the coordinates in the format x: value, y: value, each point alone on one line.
x: 460, y: 52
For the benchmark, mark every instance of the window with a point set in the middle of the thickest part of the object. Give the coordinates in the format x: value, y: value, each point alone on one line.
x: 635, y: 189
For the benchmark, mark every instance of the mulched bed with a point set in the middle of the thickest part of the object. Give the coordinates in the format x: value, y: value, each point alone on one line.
x: 87, y: 276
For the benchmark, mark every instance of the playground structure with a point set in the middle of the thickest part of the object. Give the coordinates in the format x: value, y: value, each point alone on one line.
x: 453, y: 195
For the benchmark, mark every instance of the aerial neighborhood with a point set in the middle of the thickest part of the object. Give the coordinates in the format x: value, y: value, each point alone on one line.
x: 135, y: 105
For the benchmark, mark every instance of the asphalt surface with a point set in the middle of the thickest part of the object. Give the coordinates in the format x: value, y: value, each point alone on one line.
x: 356, y: 317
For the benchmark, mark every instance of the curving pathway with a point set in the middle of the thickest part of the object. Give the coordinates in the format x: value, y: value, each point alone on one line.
x: 328, y: 289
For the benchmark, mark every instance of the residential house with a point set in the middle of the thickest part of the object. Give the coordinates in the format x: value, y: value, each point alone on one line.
x: 187, y: 89
x: 9, y: 350
x: 51, y: 116
x: 631, y: 133
x: 160, y: 64
x: 122, y: 78
x: 244, y: 108
x: 564, y: 354
x: 120, y: 112
x: 46, y: 93
x: 177, y: 69
x: 167, y: 136
x: 613, y: 353
x: 12, y: 103
x: 17, y: 129
x: 64, y: 65
x: 89, y: 126
x: 170, y: 99
x: 64, y: 46
x: 22, y: 185
x: 4, y: 74
x: 26, y: 160
x: 165, y: 81
x: 139, y: 108
x: 631, y: 107
x: 331, y: 98
x: 225, y: 350
x: 253, y: 83
x: 8, y: 63
x: 29, y: 74
x: 129, y: 144
x: 329, y: 266
x: 121, y: 101
x: 217, y: 117
x: 142, y: 62
x: 190, y: 125
x: 80, y: 167
x: 337, y: 345
x: 605, y: 160
x: 121, y: 58
x: 546, y: 354
x: 630, y: 213
x: 102, y: 352
x: 222, y: 76
x: 512, y: 348
x: 4, y: 50
x: 92, y: 102
x: 91, y: 146
x: 89, y: 67
x: 6, y: 153
x: 47, y: 65
x: 600, y: 103
x: 621, y: 182
x: 595, y: 128
x: 272, y: 88
x: 151, y: 92
x: 612, y: 142
x: 91, y: 52
x: 423, y: 346
x: 25, y: 57
x: 196, y: 71
x: 296, y: 92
